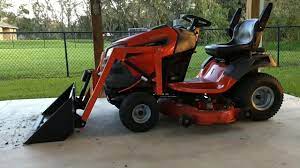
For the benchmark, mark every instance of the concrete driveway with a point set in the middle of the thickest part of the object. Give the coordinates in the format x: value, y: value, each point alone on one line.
x: 106, y: 143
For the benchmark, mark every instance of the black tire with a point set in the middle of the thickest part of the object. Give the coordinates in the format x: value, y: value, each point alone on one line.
x: 116, y: 101
x: 117, y: 104
x: 245, y: 90
x: 128, y: 107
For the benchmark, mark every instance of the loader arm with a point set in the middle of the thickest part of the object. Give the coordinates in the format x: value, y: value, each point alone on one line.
x: 102, y: 73
x: 97, y: 89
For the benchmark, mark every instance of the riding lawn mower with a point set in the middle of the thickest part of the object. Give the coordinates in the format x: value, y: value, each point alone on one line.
x: 144, y: 75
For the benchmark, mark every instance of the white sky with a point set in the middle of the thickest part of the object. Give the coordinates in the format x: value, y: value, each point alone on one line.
x: 17, y: 3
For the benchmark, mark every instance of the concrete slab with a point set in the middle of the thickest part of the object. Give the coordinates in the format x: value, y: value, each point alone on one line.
x: 106, y: 143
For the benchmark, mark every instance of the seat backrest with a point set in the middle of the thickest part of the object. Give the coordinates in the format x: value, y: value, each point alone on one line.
x: 234, y: 21
x: 244, y: 32
x: 249, y: 32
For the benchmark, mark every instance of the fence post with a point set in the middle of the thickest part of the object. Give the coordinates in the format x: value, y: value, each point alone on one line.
x: 12, y: 40
x: 74, y: 39
x: 66, y: 54
x: 278, y: 46
x: 44, y: 40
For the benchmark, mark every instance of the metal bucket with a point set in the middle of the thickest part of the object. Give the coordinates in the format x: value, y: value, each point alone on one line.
x: 57, y: 122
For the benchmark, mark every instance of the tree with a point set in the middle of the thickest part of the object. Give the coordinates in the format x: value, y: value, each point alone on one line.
x: 23, y: 11
x: 3, y: 5
x: 50, y: 9
x: 123, y: 14
x: 285, y: 12
x: 41, y: 16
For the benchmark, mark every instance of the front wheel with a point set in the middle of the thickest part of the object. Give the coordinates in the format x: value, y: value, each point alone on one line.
x: 116, y: 103
x: 139, y: 112
x: 260, y: 95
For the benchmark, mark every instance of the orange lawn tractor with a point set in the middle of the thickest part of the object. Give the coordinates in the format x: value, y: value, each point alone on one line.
x: 143, y: 76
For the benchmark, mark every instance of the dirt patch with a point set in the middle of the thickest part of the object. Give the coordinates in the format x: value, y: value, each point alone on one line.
x: 17, y: 118
x: 15, y: 131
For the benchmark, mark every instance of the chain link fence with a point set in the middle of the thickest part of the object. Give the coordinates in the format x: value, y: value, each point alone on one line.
x: 283, y: 43
x: 37, y: 55
x: 48, y: 54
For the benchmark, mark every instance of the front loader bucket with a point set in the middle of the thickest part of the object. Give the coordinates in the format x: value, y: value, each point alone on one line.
x: 57, y: 122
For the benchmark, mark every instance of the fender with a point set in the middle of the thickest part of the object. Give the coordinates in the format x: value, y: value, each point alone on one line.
x: 240, y: 67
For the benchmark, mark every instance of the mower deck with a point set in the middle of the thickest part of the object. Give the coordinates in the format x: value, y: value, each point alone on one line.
x: 200, y: 117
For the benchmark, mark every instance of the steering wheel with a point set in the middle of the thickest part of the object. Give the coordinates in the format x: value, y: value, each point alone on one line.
x: 196, y: 21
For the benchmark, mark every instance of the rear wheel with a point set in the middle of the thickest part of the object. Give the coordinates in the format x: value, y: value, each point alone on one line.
x: 139, y: 112
x: 259, y: 95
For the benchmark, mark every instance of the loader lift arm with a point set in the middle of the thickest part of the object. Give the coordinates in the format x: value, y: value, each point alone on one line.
x: 102, y: 73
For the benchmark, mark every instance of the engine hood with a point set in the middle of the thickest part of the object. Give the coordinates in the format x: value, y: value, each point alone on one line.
x: 145, y: 38
x: 124, y: 41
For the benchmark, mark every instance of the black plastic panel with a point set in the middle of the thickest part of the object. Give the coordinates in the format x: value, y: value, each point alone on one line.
x: 175, y: 67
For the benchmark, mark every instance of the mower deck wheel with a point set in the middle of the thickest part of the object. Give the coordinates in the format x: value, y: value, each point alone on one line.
x: 139, y: 112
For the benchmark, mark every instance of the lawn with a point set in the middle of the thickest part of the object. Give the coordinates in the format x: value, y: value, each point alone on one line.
x: 37, y: 68
x: 34, y: 88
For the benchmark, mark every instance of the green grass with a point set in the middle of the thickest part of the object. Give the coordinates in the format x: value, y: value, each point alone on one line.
x: 30, y: 60
x: 34, y: 69
x: 289, y: 78
x: 34, y: 88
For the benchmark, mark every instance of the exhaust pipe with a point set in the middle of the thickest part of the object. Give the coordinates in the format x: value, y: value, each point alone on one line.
x: 60, y: 119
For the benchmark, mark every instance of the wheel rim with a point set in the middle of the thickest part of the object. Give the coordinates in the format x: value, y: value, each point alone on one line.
x: 141, y: 113
x: 262, y: 98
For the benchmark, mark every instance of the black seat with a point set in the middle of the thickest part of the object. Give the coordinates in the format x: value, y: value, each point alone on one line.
x: 241, y: 43
x: 246, y: 38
